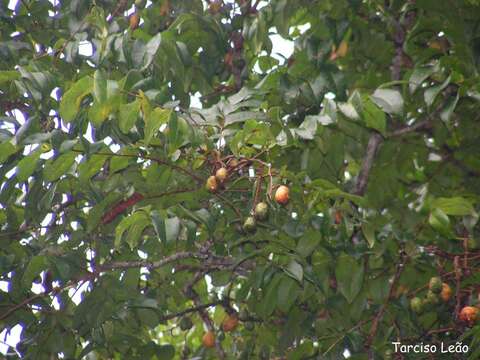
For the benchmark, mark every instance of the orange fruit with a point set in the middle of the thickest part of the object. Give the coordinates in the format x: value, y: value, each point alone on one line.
x: 208, y: 339
x: 469, y: 314
x: 282, y: 195
x: 446, y: 292
x: 134, y: 21
x: 230, y: 323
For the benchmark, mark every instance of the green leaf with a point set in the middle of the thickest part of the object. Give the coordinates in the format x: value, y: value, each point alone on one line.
x: 269, y: 302
x: 27, y: 165
x: 99, y: 86
x: 419, y: 75
x: 295, y: 270
x: 440, y: 222
x: 35, y: 266
x: 71, y: 100
x: 449, y: 108
x: 154, y: 120
x: 6, y: 149
x: 287, y: 293
x: 369, y: 233
x: 128, y: 115
x: 56, y: 168
x: 167, y: 229
x: 456, y: 206
x: 349, y: 275
x: 307, y: 243
x: 135, y: 223
x: 390, y: 101
x: 7, y: 76
x: 432, y: 92
x: 374, y: 117
x: 308, y: 128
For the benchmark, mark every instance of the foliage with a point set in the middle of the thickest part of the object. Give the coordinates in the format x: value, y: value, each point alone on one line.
x: 372, y: 123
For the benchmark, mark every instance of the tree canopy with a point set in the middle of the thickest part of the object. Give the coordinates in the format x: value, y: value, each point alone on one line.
x: 311, y: 207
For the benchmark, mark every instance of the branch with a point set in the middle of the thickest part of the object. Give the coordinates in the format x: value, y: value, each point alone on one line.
x: 198, y: 308
x: 121, y: 265
x: 192, y: 294
x: 362, y: 181
x: 424, y: 124
x: 373, y: 330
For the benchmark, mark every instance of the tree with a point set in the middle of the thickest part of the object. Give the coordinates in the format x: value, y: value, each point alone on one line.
x: 112, y: 188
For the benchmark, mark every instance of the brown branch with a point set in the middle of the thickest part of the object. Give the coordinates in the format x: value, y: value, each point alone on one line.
x: 374, y: 143
x: 198, y: 308
x: 424, y: 124
x: 120, y: 265
x: 157, y: 160
x: 192, y: 294
x: 53, y: 292
x: 391, y: 294
x: 458, y: 278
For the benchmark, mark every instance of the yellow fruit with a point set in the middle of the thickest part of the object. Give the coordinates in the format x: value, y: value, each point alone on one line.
x: 134, y: 21
x: 208, y: 339
x: 211, y: 184
x: 282, y: 195
x: 416, y: 305
x: 230, y: 323
x: 250, y: 225
x: 221, y: 174
x: 261, y: 211
x: 446, y: 293
x: 469, y: 314
x: 342, y: 49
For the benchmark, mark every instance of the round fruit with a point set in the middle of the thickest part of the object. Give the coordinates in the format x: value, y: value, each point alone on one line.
x: 446, y: 293
x: 134, y: 21
x: 186, y: 323
x: 261, y: 211
x: 469, y: 314
x: 212, y: 184
x: 250, y: 225
x: 230, y: 323
x: 432, y: 298
x: 208, y: 339
x: 140, y: 4
x: 233, y: 163
x: 416, y: 304
x: 282, y: 195
x: 221, y: 174
x: 435, y: 285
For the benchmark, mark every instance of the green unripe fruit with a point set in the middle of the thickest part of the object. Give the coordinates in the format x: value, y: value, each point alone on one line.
x: 250, y: 225
x: 388, y: 354
x: 435, y: 285
x: 432, y: 298
x: 186, y: 323
x: 261, y: 211
x: 221, y: 336
x: 416, y: 304
x: 140, y: 4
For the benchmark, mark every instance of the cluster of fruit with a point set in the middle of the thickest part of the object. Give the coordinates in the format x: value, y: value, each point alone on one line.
x: 229, y: 324
x: 260, y: 213
x: 440, y: 291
